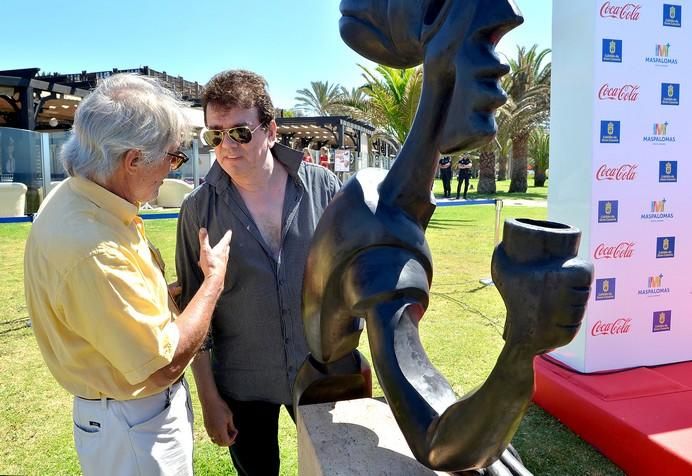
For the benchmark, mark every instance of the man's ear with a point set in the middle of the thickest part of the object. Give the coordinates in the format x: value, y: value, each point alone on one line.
x: 271, y: 132
x: 132, y: 160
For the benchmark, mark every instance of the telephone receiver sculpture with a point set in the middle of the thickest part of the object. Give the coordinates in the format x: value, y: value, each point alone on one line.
x: 369, y: 263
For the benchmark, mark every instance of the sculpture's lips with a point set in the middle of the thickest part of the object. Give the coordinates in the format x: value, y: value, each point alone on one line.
x: 493, y: 71
x: 488, y: 79
x: 356, y: 16
x: 364, y: 37
x: 354, y: 21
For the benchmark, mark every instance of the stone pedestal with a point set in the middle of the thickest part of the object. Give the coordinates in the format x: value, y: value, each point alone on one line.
x: 355, y: 437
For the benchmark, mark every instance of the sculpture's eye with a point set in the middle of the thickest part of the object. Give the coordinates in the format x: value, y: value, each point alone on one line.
x: 434, y: 9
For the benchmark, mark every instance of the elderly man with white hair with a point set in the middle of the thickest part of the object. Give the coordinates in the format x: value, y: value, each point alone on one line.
x: 103, y: 316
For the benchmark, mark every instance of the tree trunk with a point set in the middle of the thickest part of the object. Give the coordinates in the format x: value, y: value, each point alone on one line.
x: 502, y: 167
x: 486, y: 174
x: 520, y: 145
x: 539, y: 177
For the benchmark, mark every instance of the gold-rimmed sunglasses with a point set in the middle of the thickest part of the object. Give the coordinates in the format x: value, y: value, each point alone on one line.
x: 240, y: 134
x: 177, y: 159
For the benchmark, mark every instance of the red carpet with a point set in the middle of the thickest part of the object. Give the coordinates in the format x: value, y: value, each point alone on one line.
x: 641, y: 419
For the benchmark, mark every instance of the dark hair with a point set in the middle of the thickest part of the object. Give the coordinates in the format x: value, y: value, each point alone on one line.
x: 239, y: 89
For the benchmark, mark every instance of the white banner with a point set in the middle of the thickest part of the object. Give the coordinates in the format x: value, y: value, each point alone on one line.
x: 636, y: 206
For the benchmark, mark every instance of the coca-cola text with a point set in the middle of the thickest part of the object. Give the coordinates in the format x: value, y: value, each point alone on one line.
x: 628, y: 11
x: 619, y: 326
x: 628, y: 92
x: 625, y: 172
x: 622, y: 250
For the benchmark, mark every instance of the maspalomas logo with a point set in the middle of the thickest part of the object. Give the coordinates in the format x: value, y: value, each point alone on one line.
x: 661, y: 321
x: 621, y: 173
x: 660, y: 134
x: 616, y: 327
x: 620, y: 11
x: 672, y: 15
x: 662, y: 56
x: 624, y: 93
x: 622, y: 250
x: 605, y: 289
x: 611, y: 51
x: 654, y: 287
x: 658, y: 212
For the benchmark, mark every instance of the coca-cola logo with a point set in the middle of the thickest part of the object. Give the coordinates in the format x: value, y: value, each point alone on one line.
x: 623, y: 173
x: 624, y: 249
x: 628, y: 92
x: 628, y: 11
x: 619, y: 326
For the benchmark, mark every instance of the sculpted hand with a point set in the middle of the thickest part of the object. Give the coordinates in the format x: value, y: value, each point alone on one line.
x: 218, y: 421
x: 175, y: 289
x: 213, y: 261
x: 545, y: 301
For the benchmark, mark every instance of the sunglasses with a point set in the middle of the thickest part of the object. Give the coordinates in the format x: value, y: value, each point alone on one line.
x: 240, y: 134
x: 177, y: 159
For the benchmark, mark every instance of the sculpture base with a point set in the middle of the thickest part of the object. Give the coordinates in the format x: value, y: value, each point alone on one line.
x: 353, y: 437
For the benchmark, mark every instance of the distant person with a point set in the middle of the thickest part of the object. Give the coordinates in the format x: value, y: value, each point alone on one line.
x: 324, y: 157
x: 463, y: 174
x: 95, y: 289
x: 445, y: 165
x: 272, y: 201
x: 307, y: 156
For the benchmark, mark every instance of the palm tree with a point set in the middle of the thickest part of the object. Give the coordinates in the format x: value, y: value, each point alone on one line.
x: 354, y: 103
x: 486, y: 168
x: 503, y: 141
x: 321, y: 99
x: 539, y: 149
x: 528, y: 105
x: 392, y: 98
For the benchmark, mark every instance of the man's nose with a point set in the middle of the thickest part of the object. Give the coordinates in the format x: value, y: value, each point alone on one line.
x: 226, y: 141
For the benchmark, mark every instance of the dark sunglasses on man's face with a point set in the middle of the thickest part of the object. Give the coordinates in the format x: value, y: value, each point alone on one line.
x: 240, y: 134
x: 177, y: 159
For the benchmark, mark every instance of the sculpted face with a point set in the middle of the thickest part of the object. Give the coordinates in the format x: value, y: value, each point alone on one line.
x: 455, y: 39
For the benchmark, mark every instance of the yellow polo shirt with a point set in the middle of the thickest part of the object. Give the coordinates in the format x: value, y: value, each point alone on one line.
x: 97, y: 299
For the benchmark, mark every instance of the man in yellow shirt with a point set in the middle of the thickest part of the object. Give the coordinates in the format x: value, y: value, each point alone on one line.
x: 96, y: 293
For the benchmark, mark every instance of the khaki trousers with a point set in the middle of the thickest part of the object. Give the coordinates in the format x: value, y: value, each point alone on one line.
x: 148, y: 436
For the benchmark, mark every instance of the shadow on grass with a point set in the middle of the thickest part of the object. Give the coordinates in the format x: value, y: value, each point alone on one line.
x: 449, y: 223
x: 550, y: 448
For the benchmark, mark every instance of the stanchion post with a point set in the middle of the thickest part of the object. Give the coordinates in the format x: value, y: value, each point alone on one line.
x: 498, y: 211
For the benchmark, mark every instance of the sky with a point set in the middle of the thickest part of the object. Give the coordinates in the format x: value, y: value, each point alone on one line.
x: 290, y: 43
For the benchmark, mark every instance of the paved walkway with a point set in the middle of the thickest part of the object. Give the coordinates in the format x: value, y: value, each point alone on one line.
x: 450, y: 202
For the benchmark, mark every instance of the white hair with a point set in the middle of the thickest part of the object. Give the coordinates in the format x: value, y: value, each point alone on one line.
x: 124, y: 112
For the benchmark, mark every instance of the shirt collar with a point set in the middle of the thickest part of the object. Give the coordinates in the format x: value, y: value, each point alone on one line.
x: 289, y: 158
x: 102, y: 198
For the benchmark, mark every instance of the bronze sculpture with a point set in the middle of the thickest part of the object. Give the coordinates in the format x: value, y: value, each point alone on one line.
x: 369, y: 261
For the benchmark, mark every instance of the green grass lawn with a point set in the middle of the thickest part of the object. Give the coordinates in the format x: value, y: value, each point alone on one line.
x: 461, y: 332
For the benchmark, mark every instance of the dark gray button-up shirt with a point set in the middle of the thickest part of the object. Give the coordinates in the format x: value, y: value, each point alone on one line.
x: 257, y: 341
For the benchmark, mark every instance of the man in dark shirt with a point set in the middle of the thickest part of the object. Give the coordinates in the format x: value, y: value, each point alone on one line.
x: 272, y: 201
x: 464, y: 174
x: 446, y: 175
